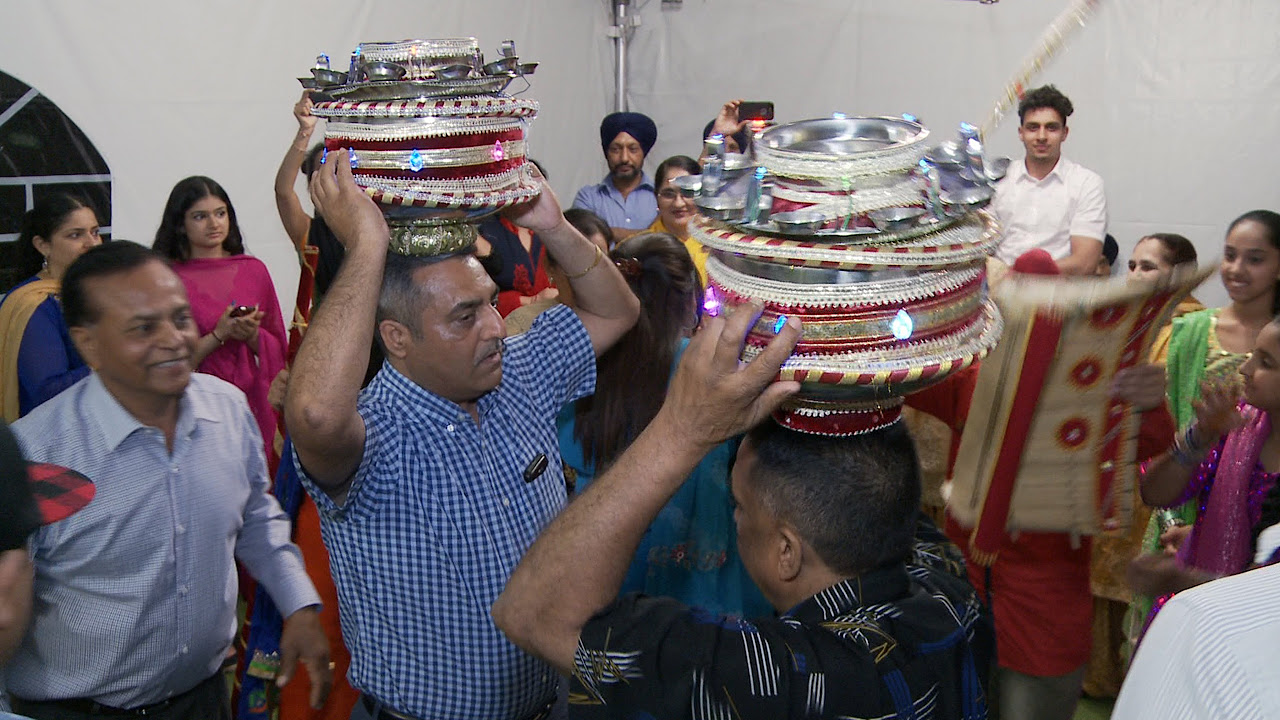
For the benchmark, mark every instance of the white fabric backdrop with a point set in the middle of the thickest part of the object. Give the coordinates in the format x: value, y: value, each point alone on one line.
x: 171, y: 89
x: 1178, y: 101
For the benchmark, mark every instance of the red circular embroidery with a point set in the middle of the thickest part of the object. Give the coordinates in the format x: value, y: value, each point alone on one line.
x: 1086, y: 372
x: 1107, y: 316
x: 1073, y: 432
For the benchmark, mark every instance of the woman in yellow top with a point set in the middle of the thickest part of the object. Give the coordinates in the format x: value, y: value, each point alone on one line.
x: 38, y: 358
x: 675, y: 210
x: 1154, y: 259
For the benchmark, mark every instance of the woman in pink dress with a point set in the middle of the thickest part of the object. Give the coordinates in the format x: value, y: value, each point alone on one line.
x: 242, y: 334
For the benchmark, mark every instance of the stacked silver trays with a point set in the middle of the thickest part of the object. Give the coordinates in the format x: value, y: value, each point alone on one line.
x: 887, y: 271
x: 411, y: 69
x: 430, y: 135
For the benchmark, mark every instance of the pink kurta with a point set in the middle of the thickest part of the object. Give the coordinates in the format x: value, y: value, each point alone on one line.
x: 212, y: 285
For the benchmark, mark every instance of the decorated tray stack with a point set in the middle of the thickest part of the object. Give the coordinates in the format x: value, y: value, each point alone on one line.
x: 432, y: 136
x: 871, y: 235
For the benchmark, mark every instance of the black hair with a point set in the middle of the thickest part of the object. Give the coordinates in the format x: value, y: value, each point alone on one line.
x: 402, y: 298
x: 1110, y: 250
x: 632, y: 378
x: 680, y: 162
x: 1045, y: 96
x: 311, y: 162
x: 43, y: 220
x: 740, y: 137
x: 587, y: 223
x: 1179, y: 249
x: 1271, y: 221
x: 853, y: 499
x: 110, y: 258
x: 171, y: 237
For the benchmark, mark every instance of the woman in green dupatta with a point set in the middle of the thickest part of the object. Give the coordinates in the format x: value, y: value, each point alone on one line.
x: 1209, y: 346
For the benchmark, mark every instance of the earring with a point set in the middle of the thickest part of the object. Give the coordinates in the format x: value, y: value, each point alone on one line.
x: 44, y: 263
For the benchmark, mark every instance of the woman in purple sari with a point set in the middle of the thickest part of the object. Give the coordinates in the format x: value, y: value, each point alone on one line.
x: 1227, y: 460
x: 242, y: 333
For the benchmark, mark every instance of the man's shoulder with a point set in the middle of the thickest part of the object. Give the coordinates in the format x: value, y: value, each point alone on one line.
x: 541, y: 344
x: 589, y: 192
x: 215, y: 390
x: 1076, y: 173
x: 48, y: 423
x: 1249, y: 594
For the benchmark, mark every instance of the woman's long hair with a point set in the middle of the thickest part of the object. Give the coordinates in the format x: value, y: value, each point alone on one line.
x: 43, y: 220
x: 632, y: 376
x: 171, y: 237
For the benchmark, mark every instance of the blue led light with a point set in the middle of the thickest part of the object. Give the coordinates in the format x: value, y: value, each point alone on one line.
x: 324, y: 155
x: 415, y: 161
x: 902, y: 325
x: 354, y: 161
x: 909, y: 117
x: 839, y: 115
x: 779, y: 323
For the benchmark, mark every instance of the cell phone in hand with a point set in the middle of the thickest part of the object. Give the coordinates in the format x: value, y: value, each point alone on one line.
x: 242, y: 310
x: 755, y: 110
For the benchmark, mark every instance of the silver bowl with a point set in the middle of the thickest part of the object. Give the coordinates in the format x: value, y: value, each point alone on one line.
x: 325, y: 77
x: 688, y: 185
x: 502, y: 66
x: 948, y: 155
x: 527, y: 68
x: 380, y: 71
x: 799, y: 222
x: 963, y: 200
x: 997, y: 168
x: 895, y: 219
x: 842, y: 137
x: 724, y: 207
x: 447, y: 73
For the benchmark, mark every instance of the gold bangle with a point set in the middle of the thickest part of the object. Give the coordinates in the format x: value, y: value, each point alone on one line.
x: 592, y: 266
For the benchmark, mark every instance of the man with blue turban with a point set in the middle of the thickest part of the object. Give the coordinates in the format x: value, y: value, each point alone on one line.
x: 625, y: 198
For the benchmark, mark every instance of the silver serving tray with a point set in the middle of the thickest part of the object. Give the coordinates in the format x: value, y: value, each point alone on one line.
x: 805, y: 275
x: 925, y: 225
x: 842, y: 137
x: 831, y: 235
x: 966, y: 199
x: 412, y: 89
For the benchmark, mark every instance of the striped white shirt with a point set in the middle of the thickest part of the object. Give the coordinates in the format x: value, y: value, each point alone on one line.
x: 1211, y: 653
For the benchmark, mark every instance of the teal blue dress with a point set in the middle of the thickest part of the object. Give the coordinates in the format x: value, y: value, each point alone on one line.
x: 690, y: 552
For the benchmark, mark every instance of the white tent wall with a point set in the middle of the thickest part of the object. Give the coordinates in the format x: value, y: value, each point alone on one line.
x: 171, y: 89
x: 1178, y: 102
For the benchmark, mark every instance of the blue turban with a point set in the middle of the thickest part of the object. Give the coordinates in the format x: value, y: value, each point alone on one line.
x: 636, y: 125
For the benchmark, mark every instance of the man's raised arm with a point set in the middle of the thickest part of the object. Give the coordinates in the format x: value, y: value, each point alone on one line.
x: 557, y: 588
x: 320, y: 409
x: 603, y: 302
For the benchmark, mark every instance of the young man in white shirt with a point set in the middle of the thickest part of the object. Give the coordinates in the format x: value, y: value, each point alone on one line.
x: 1047, y: 201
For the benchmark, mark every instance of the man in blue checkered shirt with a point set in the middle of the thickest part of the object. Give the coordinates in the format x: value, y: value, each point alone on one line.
x: 433, y: 482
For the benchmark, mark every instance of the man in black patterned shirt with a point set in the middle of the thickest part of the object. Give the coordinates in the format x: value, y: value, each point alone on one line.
x: 877, y: 618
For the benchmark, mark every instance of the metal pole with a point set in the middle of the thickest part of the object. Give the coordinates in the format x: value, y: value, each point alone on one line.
x: 621, y: 26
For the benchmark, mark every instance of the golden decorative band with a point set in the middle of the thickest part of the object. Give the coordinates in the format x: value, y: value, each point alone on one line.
x: 426, y: 237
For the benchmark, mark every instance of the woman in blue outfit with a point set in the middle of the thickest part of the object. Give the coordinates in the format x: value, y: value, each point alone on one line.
x: 38, y: 358
x: 690, y: 552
